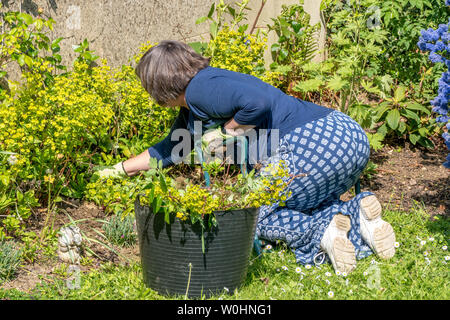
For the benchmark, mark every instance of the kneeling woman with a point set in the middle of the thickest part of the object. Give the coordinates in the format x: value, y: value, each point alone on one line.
x: 325, y: 150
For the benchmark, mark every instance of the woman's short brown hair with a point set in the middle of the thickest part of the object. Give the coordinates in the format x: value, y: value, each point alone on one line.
x: 166, y: 69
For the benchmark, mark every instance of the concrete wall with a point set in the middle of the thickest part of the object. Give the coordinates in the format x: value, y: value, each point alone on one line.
x: 116, y: 28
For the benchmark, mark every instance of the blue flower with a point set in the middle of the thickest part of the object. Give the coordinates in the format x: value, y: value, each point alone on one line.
x: 437, y: 43
x: 440, y: 46
x: 443, y: 119
x: 422, y: 44
x: 435, y: 58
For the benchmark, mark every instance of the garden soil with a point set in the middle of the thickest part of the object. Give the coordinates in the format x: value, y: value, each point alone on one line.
x: 404, y: 178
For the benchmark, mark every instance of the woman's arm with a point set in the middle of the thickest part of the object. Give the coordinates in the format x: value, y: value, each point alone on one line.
x: 161, y: 151
x: 139, y: 163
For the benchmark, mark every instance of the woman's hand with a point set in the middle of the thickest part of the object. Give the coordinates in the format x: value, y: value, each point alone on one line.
x: 235, y: 129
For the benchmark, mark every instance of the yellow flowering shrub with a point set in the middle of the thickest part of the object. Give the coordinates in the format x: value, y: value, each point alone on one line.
x: 237, y: 51
x: 56, y: 133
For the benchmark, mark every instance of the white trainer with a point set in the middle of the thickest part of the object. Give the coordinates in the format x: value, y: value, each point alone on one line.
x: 339, y: 248
x: 378, y: 233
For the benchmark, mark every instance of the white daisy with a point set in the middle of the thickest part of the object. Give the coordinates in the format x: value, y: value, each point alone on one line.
x: 338, y: 273
x: 425, y: 253
x: 447, y: 258
x: 423, y: 242
x: 268, y: 247
x: 328, y: 274
x: 308, y: 266
x: 298, y: 270
x: 331, y: 294
x: 444, y: 248
x: 285, y: 268
x: 396, y: 244
x: 430, y: 239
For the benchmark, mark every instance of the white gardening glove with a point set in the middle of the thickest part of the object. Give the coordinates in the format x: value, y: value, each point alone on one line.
x: 213, y: 140
x: 115, y: 171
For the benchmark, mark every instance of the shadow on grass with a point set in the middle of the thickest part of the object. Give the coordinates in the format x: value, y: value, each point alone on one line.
x: 440, y: 224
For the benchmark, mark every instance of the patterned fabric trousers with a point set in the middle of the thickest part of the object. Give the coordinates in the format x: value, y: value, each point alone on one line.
x: 328, y: 155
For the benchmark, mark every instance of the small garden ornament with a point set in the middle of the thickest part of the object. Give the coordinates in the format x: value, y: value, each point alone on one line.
x: 69, y: 243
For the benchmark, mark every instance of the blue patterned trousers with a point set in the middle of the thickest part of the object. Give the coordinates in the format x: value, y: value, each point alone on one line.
x: 328, y: 155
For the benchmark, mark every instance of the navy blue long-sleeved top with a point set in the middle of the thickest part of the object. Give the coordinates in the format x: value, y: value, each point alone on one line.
x: 214, y: 96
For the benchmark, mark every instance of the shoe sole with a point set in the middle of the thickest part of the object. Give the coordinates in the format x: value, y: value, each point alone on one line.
x: 344, y: 251
x: 383, y: 235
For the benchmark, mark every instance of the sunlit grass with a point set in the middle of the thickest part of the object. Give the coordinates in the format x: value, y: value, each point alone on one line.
x: 419, y: 270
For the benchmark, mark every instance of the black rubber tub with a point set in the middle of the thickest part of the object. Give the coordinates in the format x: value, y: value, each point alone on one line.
x: 172, y: 259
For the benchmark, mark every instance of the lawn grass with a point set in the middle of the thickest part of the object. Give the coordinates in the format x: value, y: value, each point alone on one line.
x: 419, y: 270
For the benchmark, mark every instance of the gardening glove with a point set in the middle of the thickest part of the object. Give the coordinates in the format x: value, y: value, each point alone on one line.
x: 115, y: 171
x: 213, y: 140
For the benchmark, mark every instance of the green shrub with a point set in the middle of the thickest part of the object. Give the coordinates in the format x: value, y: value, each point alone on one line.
x: 403, y: 19
x: 25, y: 41
x: 51, y: 136
x: 296, y: 45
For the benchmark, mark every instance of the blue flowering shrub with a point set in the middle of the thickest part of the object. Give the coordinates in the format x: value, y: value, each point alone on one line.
x: 436, y: 41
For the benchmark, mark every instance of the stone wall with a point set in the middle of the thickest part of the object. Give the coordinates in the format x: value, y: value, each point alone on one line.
x: 115, y: 29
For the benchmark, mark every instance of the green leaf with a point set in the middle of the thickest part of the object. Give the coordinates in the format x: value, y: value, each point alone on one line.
x: 232, y: 11
x: 401, y: 127
x: 418, y: 107
x: 39, y: 24
x: 25, y: 18
x: 427, y: 143
x: 243, y: 28
x: 55, y: 45
x: 213, y: 28
x: 381, y: 110
x: 198, y: 47
x: 167, y: 217
x: 308, y: 85
x: 211, y: 10
x: 410, y: 115
x: 201, y: 20
x: 400, y: 93
x: 155, y: 205
x: 4, y: 180
x: 162, y: 182
x: 28, y: 61
x: 275, y: 47
x: 21, y: 60
x: 158, y: 204
x: 414, y: 138
x: 423, y: 132
x: 375, y: 141
x: 336, y: 83
x: 393, y: 118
